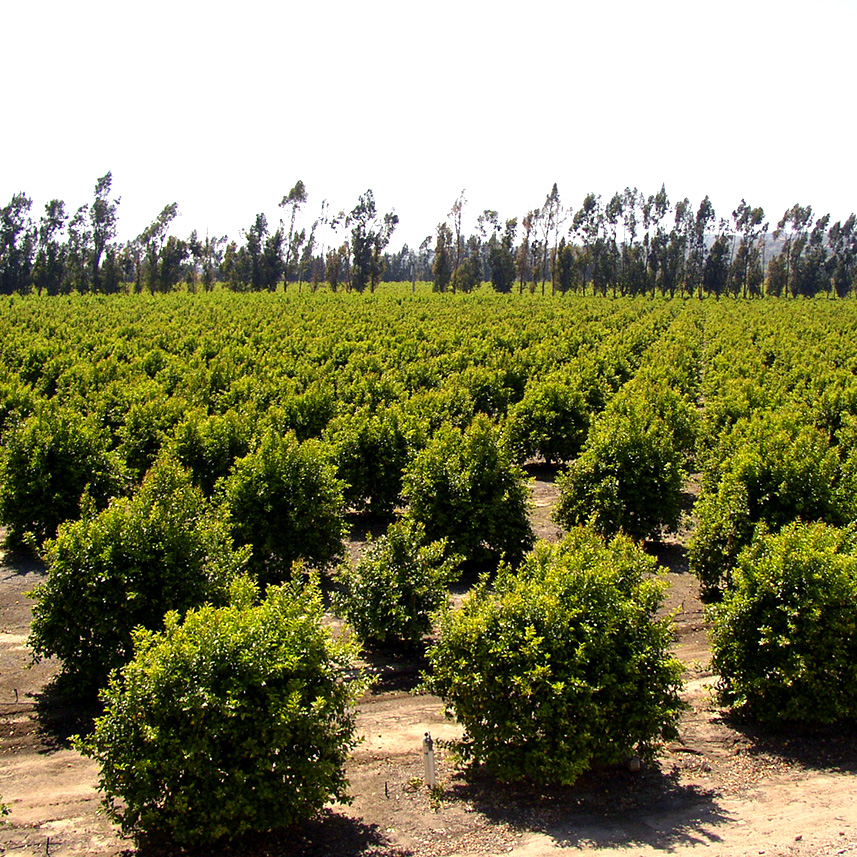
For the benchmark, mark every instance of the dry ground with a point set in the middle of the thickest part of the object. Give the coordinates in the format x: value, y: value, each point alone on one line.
x: 723, y: 788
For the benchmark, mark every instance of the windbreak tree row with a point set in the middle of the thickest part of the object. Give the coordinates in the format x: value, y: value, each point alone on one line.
x: 630, y: 243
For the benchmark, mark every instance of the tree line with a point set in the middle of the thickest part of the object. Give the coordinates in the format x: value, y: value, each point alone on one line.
x: 629, y: 244
x: 63, y: 254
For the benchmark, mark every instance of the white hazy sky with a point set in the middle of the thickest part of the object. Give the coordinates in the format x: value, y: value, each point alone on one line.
x: 221, y: 106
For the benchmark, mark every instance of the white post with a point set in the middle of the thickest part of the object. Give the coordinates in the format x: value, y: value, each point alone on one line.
x: 428, y: 760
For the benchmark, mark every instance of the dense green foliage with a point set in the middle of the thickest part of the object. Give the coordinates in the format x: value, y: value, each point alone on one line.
x: 285, y: 501
x: 47, y: 463
x: 550, y: 421
x: 563, y: 665
x: 124, y: 567
x: 784, y: 638
x: 235, y: 719
x: 463, y: 487
x: 208, y: 445
x: 629, y: 475
x: 389, y: 596
x: 397, y: 398
x: 771, y: 468
x: 372, y: 449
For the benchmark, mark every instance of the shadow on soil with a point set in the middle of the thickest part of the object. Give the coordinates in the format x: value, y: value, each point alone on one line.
x: 542, y: 471
x: 670, y: 555
x: 363, y: 527
x: 394, y: 670
x: 327, y: 835
x: 606, y: 808
x: 823, y: 748
x: 62, y: 714
x: 21, y: 562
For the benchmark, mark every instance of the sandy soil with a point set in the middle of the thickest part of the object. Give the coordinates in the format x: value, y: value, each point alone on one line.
x: 723, y: 788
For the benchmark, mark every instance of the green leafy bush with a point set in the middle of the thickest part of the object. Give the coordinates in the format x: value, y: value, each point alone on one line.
x: 284, y: 500
x: 630, y: 473
x: 551, y: 421
x: 787, y: 466
x: 771, y: 469
x: 563, y: 665
x: 488, y: 388
x: 845, y: 490
x: 17, y: 402
x: 127, y: 566
x: 396, y: 586
x: 784, y: 637
x: 448, y: 405
x: 145, y: 430
x: 236, y: 719
x: 208, y: 445
x: 464, y: 487
x: 723, y: 528
x: 306, y: 414
x: 46, y: 464
x: 372, y: 450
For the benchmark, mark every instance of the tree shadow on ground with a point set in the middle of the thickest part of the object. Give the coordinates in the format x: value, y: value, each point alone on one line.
x: 363, y: 526
x: 327, y: 835
x: 607, y: 808
x: 541, y: 470
x: 394, y: 669
x: 470, y: 574
x: 19, y: 562
x: 831, y: 747
x: 62, y: 714
x: 671, y: 555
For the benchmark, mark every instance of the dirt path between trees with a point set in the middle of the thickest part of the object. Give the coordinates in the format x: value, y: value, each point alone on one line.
x: 723, y: 788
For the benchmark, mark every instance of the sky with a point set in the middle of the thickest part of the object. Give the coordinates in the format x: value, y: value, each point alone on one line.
x: 221, y: 106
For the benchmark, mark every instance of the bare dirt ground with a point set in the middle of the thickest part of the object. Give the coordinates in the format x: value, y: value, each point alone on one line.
x: 723, y: 788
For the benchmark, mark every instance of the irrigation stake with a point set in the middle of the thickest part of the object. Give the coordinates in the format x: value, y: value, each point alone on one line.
x: 428, y: 760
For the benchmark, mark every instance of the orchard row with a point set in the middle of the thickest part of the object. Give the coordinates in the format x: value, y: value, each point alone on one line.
x: 95, y: 389
x: 176, y: 451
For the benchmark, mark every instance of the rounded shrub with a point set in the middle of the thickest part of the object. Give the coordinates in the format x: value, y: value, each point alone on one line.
x: 723, y: 529
x: 784, y: 636
x: 237, y: 719
x: 488, y: 388
x: 771, y: 469
x: 126, y: 566
x: 147, y: 426
x: 46, y: 464
x: 551, y: 421
x: 285, y: 501
x: 630, y: 473
x: 396, y: 586
x: 17, y: 401
x: 464, y: 487
x: 563, y: 665
x: 306, y: 414
x: 209, y: 444
x: 372, y: 449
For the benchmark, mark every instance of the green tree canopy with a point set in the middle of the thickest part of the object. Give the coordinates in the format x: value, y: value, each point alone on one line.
x: 783, y: 637
x: 237, y: 719
x: 400, y: 581
x: 629, y: 475
x: 464, y: 487
x: 285, y: 501
x: 46, y: 464
x: 563, y: 665
x: 125, y: 567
